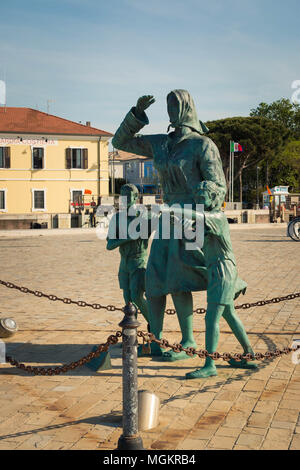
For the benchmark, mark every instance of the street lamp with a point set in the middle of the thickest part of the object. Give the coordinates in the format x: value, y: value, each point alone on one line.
x: 112, y: 165
x: 257, y: 195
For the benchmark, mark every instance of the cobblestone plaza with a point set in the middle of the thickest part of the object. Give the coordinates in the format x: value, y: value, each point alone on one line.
x: 238, y: 409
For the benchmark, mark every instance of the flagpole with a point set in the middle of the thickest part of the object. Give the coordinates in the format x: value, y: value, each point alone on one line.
x: 229, y: 195
x: 232, y: 166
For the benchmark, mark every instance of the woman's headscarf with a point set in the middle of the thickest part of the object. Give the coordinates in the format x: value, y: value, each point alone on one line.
x: 187, y: 115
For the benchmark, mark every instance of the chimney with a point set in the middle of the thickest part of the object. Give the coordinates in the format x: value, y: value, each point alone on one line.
x: 88, y: 123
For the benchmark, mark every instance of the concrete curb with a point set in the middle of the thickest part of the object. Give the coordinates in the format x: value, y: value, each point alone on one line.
x: 257, y: 226
x: 90, y: 231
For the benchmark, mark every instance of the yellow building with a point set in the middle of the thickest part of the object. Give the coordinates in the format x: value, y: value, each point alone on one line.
x: 46, y: 164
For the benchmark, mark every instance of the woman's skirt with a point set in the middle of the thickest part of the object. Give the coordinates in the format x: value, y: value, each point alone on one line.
x: 172, y: 269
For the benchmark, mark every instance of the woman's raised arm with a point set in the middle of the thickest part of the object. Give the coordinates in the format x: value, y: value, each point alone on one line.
x: 125, y: 137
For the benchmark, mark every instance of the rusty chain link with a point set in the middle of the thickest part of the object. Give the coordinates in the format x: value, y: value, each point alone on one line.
x: 260, y: 303
x: 150, y: 338
x: 112, y: 339
x: 112, y: 308
x: 65, y: 300
x: 147, y: 337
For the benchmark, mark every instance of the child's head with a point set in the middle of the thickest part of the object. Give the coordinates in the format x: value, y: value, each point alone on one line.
x: 131, y: 192
x: 207, y: 193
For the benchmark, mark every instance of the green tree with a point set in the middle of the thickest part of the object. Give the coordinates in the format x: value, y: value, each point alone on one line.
x: 282, y: 111
x: 284, y: 169
x: 261, y: 139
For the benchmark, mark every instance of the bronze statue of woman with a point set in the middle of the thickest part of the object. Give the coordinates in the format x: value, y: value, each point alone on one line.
x: 183, y: 158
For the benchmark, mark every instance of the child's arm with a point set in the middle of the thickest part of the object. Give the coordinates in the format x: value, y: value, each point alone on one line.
x: 112, y: 244
x: 214, y: 222
x: 183, y: 213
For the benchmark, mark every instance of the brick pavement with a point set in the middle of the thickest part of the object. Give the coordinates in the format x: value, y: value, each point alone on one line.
x: 82, y: 409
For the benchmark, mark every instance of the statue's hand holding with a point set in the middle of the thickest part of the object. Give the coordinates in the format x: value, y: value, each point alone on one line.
x: 142, y: 104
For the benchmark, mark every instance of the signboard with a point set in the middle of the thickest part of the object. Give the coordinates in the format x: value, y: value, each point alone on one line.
x: 280, y: 189
x: 21, y: 141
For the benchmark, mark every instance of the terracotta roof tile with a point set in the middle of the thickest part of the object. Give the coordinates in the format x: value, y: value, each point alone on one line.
x: 32, y: 121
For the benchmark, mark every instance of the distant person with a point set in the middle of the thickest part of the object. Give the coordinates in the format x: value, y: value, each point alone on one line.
x: 93, y: 210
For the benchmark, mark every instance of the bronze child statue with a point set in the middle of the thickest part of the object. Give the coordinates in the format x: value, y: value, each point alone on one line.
x: 224, y: 285
x: 133, y: 254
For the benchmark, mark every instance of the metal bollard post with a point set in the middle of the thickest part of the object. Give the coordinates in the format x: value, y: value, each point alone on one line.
x: 130, y: 439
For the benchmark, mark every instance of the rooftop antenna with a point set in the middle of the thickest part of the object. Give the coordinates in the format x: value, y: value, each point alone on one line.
x: 3, y: 91
x: 48, y: 105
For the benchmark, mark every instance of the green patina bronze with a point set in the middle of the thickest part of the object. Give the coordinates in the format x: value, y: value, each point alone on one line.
x: 133, y: 256
x: 184, y: 160
x: 223, y: 284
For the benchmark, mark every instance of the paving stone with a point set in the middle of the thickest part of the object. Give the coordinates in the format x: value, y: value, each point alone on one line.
x: 279, y: 434
x: 290, y: 404
x: 37, y: 441
x: 269, y: 444
x: 252, y: 441
x: 222, y: 442
x: 228, y: 432
x: 266, y: 406
x: 85, y: 444
x: 192, y: 444
x: 255, y: 385
x: 295, y: 444
x: 282, y: 425
x: 287, y: 414
x: 220, y: 405
x: 259, y: 420
x: 250, y: 430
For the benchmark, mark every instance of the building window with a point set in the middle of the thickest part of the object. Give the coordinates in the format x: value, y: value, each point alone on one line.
x: 76, y: 158
x: 77, y: 197
x: 2, y: 200
x: 4, y: 157
x: 37, y: 158
x: 38, y: 199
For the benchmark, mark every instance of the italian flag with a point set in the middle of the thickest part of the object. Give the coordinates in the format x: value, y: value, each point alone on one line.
x: 235, y: 147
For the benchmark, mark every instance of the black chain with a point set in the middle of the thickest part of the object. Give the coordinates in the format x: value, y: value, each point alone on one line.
x: 65, y: 300
x: 177, y: 348
x: 112, y: 339
x: 148, y: 338
x: 112, y: 308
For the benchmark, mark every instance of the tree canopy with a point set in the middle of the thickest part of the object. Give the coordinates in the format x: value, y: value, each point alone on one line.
x: 261, y: 138
x: 283, y: 112
x: 270, y: 138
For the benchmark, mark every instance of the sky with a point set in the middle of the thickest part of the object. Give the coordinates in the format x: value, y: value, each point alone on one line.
x: 94, y: 58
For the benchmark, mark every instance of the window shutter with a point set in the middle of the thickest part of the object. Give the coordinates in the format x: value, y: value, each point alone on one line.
x: 85, y: 158
x: 7, y: 157
x: 68, y: 158
x: 42, y: 155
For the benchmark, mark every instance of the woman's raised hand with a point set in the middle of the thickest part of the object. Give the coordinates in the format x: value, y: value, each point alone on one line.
x: 143, y: 103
